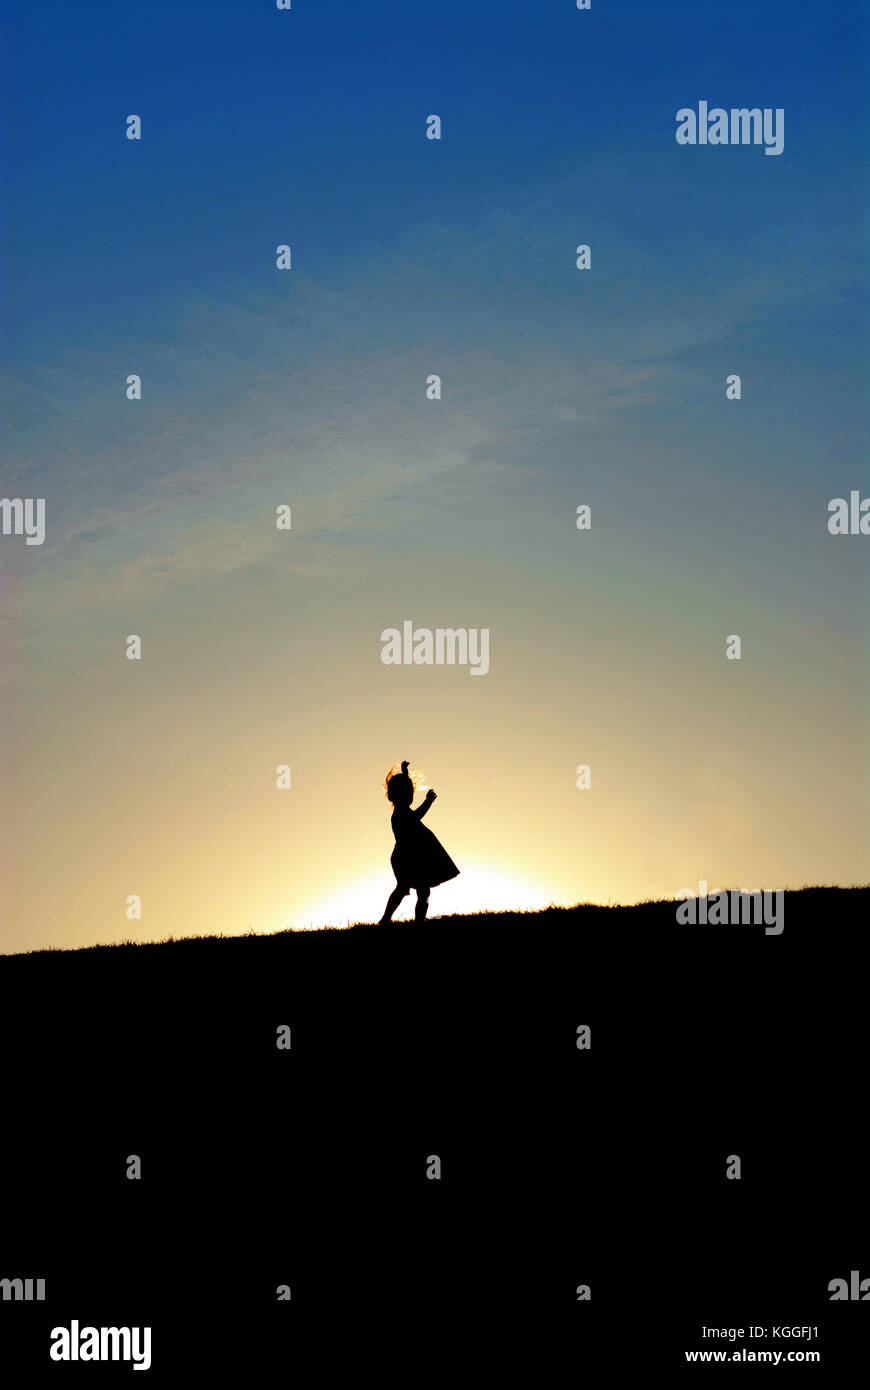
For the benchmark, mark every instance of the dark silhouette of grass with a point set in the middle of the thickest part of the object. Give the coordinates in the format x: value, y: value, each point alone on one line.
x: 807, y: 911
x: 457, y: 1036
x: 427, y: 994
x: 155, y: 1000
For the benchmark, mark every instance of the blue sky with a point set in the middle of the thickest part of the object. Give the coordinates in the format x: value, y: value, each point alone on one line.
x: 314, y: 116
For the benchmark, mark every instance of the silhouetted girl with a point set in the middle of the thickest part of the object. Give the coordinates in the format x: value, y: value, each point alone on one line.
x: 419, y: 860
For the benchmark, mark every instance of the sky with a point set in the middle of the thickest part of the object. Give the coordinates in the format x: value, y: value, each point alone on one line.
x: 307, y: 388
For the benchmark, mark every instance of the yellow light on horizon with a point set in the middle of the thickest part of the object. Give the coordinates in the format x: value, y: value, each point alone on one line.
x: 482, y: 888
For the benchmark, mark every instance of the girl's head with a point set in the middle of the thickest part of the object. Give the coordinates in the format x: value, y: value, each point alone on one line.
x: 400, y: 784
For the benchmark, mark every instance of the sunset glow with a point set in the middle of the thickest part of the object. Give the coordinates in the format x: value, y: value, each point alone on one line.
x: 478, y: 889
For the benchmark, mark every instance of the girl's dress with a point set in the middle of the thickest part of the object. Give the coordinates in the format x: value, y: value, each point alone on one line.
x: 419, y: 859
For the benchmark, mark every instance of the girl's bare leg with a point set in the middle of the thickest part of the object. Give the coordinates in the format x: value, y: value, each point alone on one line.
x: 393, y: 901
x: 422, y: 904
